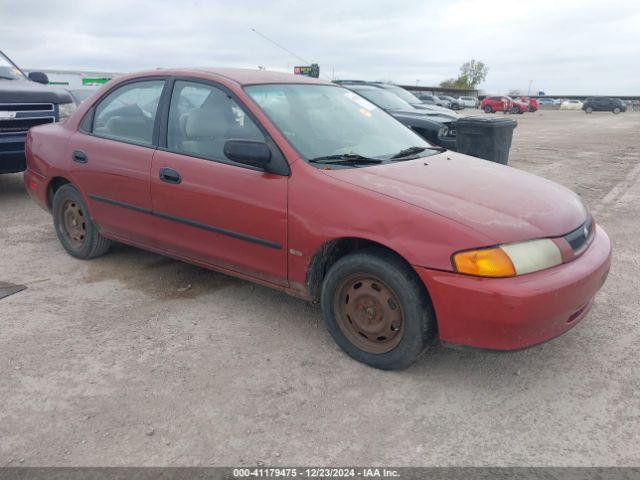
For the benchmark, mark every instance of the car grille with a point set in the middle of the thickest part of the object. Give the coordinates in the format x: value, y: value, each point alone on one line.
x: 20, y: 117
x: 578, y: 237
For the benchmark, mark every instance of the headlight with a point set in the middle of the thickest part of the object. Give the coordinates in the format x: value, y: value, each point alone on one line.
x: 443, y: 132
x: 509, y: 260
x: 65, y: 110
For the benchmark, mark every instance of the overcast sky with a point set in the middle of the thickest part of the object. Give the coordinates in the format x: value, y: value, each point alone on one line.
x: 562, y: 46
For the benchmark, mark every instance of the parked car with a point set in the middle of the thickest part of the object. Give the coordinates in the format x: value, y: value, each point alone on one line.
x: 25, y: 101
x: 412, y: 99
x: 532, y: 102
x: 304, y: 186
x: 454, y: 103
x: 545, y: 102
x: 518, y: 106
x: 571, y: 105
x: 492, y: 104
x: 433, y: 100
x: 471, y: 102
x: 604, y: 104
x: 434, y: 127
x: 404, y: 94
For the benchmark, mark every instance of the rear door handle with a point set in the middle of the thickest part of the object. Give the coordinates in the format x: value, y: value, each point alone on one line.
x: 169, y: 175
x: 79, y: 156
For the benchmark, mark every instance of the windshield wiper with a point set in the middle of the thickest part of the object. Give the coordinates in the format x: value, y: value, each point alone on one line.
x: 414, y: 150
x: 346, y: 158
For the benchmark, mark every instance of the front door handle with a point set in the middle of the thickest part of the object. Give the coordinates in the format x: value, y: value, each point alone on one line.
x: 169, y: 175
x: 79, y: 156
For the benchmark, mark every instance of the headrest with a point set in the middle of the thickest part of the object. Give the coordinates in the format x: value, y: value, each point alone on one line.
x: 203, y: 122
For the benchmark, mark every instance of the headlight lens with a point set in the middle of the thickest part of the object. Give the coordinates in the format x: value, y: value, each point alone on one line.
x: 509, y: 260
x: 65, y: 110
x: 443, y: 132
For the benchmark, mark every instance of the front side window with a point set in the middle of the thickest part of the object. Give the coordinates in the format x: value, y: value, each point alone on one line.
x: 129, y: 112
x: 202, y: 118
x: 321, y: 120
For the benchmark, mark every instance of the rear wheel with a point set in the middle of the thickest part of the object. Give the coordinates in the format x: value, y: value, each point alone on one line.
x: 531, y: 109
x: 487, y: 109
x: 589, y: 109
x: 616, y: 110
x: 515, y: 110
x: 75, y: 229
x: 376, y: 309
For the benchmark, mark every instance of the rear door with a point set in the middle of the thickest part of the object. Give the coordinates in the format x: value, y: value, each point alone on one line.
x: 112, y: 155
x: 207, y: 207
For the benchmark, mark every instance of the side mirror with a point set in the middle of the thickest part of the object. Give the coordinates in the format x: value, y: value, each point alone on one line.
x: 248, y: 152
x: 39, y: 77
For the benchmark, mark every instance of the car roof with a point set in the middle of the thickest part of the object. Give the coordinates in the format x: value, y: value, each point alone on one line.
x: 241, y: 76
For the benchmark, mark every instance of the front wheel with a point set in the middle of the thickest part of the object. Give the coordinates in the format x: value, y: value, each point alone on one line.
x: 588, y: 110
x: 75, y: 229
x: 616, y: 110
x: 377, y: 310
x: 531, y: 109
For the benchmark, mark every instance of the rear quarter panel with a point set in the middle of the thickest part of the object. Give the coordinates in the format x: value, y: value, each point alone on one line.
x: 45, y: 150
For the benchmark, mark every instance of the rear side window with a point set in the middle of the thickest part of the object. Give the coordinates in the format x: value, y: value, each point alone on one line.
x: 129, y: 112
x: 202, y: 118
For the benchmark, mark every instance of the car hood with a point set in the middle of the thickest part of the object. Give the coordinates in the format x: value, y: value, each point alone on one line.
x: 422, y: 115
x: 503, y: 203
x: 19, y: 91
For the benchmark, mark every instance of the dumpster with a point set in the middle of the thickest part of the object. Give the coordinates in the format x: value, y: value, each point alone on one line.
x: 485, y: 137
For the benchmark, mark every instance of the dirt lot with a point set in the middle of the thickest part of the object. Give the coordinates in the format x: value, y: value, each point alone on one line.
x: 115, y: 361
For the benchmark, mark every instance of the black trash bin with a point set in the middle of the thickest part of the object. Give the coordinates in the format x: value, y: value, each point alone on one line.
x: 485, y: 137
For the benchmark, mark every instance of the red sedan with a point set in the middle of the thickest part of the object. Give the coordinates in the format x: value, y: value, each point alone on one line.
x: 492, y: 104
x: 306, y: 187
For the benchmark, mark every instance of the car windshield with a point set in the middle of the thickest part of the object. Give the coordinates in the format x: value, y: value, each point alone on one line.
x: 8, y: 70
x: 324, y: 120
x: 383, y: 98
x: 403, y: 94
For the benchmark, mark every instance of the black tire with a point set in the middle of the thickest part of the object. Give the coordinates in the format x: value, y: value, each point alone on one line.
x: 589, y: 110
x: 616, y: 110
x: 417, y: 327
x: 515, y: 110
x: 85, y: 243
x: 487, y: 109
x: 531, y: 109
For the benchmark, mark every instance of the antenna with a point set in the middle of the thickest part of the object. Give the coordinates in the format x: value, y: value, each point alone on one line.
x: 279, y: 46
x: 284, y: 48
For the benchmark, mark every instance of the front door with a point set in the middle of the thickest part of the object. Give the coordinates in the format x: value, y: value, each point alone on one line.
x: 111, y: 160
x: 208, y: 207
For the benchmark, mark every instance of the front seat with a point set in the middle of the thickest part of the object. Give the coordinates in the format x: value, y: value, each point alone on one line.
x: 205, y: 131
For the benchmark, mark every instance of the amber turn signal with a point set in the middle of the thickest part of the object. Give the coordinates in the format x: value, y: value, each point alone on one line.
x: 487, y: 262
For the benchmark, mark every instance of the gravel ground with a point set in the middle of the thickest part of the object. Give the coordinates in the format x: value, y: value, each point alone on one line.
x: 135, y: 359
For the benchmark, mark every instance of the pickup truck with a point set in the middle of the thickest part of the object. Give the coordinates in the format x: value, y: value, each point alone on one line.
x: 25, y: 101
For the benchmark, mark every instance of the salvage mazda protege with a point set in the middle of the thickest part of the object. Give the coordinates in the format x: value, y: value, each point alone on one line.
x: 306, y: 187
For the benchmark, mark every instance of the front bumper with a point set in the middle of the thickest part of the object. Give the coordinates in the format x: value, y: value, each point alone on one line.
x: 517, y: 312
x: 12, y: 153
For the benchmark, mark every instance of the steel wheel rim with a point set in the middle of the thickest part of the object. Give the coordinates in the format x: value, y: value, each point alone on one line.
x: 369, y: 313
x: 74, y: 223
